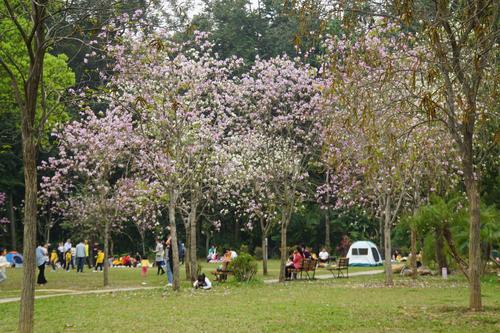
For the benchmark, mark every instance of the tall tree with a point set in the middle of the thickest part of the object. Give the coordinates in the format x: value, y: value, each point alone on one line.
x: 40, y: 25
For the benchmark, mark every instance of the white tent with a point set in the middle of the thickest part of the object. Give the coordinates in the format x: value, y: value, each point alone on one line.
x: 364, y: 253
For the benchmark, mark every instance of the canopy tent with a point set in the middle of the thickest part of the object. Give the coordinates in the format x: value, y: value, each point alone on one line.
x: 364, y: 253
x: 15, y: 259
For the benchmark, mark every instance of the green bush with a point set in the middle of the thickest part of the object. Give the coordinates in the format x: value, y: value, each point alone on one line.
x: 244, y: 248
x: 244, y: 267
x: 258, y: 253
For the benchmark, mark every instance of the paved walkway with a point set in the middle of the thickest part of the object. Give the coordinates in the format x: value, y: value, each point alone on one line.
x: 330, y: 276
x: 65, y: 292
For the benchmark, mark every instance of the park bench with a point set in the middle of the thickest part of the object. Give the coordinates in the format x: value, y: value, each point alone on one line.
x: 308, y: 266
x: 342, y: 265
x: 221, y: 276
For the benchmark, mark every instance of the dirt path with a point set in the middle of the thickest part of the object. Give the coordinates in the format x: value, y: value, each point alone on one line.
x: 66, y: 292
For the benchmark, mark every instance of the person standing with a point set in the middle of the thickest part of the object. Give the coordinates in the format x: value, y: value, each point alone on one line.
x: 87, y: 253
x: 41, y: 258
x: 80, y: 256
x: 99, y: 260
x: 53, y: 259
x: 159, y: 258
x: 73, y: 257
x: 60, y: 253
x: 3, y: 264
x: 169, y: 261
x: 67, y: 249
x: 182, y: 252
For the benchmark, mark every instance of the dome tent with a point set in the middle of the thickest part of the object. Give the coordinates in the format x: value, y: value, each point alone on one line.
x: 15, y: 259
x: 364, y: 253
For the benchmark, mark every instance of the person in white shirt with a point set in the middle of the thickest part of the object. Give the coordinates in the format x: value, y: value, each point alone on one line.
x: 202, y: 282
x: 3, y: 264
x: 233, y: 254
x: 80, y: 256
x: 323, y: 256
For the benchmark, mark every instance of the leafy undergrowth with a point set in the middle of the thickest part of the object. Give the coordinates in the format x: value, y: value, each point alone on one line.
x: 360, y: 304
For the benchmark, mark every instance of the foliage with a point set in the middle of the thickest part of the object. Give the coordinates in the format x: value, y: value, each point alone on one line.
x: 244, y: 267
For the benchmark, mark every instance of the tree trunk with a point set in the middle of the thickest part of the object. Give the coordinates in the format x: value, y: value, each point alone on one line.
x: 143, y: 242
x: 30, y: 151
x: 387, y: 242
x: 327, y: 231
x: 381, y: 233
x: 264, y: 253
x: 173, y: 234
x: 106, y: 250
x: 284, y: 252
x: 440, y: 254
x: 29, y: 238
x: 193, y: 260
x: 413, y: 258
x: 207, y: 241
x: 12, y: 219
x: 474, y: 244
x: 187, y: 261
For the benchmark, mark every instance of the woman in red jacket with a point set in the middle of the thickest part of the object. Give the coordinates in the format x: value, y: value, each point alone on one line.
x: 295, y: 263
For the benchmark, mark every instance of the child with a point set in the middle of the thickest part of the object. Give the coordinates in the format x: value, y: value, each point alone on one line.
x: 68, y: 260
x: 99, y: 260
x: 3, y: 264
x: 202, y: 282
x: 144, y: 268
x: 53, y: 260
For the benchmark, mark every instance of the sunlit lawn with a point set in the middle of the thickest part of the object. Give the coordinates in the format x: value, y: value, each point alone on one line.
x: 357, y: 304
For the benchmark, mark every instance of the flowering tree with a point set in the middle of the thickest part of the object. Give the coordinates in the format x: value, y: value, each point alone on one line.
x: 280, y: 103
x: 381, y: 155
x: 177, y: 93
x: 93, y: 155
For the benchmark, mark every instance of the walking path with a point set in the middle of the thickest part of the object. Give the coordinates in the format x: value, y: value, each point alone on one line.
x: 330, y: 276
x: 104, y: 291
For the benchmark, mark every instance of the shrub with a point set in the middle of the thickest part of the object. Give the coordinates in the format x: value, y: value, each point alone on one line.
x: 244, y: 267
x: 259, y: 253
x: 244, y: 248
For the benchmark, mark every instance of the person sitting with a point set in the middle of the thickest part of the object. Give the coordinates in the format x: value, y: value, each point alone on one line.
x: 324, y: 256
x: 212, y: 253
x: 226, y: 259
x: 296, y: 262
x: 127, y: 261
x: 306, y: 253
x: 202, y: 282
x: 233, y: 254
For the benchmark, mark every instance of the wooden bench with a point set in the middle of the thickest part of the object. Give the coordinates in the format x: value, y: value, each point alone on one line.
x: 221, y: 276
x: 307, y: 266
x: 342, y: 265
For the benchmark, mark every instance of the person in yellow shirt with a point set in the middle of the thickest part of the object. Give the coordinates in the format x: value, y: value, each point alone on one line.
x: 87, y: 253
x: 53, y: 260
x: 99, y: 260
x: 144, y: 267
x: 68, y: 260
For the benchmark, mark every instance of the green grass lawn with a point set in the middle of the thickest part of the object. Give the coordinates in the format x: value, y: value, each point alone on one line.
x: 121, y: 277
x: 359, y: 304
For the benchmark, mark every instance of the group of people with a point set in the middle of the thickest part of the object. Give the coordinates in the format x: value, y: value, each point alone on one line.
x: 214, y: 257
x: 299, y: 254
x: 67, y: 256
x: 163, y: 258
